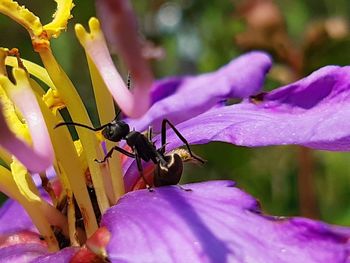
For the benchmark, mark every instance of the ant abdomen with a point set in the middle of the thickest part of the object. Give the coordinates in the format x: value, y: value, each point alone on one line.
x: 170, y: 173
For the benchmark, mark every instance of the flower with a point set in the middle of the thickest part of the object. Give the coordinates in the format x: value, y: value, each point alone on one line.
x: 83, y: 215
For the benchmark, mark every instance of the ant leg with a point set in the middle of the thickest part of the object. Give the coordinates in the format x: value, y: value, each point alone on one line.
x: 150, y: 133
x: 140, y: 169
x: 179, y: 135
x: 110, y: 152
x: 150, y: 136
x: 183, y: 188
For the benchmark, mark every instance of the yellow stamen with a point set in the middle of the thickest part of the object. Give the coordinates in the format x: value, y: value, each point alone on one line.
x: 105, y: 108
x: 60, y: 18
x: 22, y: 16
x: 69, y: 166
x: 42, y: 145
x: 15, y: 124
x: 18, y: 170
x: 33, y: 69
x: 9, y: 187
x: 28, y: 190
x: 12, y: 116
x: 78, y: 114
x: 73, y: 233
x: 81, y: 193
x: 15, y: 52
x: 5, y: 157
x: 19, y: 173
x: 104, y: 103
x: 3, y: 55
x: 80, y: 151
x: 53, y: 101
x: 21, y: 177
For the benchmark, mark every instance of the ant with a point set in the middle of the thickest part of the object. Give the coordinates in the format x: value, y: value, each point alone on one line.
x: 169, y: 166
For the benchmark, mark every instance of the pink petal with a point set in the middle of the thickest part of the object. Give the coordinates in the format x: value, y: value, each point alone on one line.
x: 119, y: 24
x: 32, y: 159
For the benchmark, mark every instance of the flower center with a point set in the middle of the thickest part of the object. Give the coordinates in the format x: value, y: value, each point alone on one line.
x: 68, y: 210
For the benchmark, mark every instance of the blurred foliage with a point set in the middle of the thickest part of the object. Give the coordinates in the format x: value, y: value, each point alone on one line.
x: 199, y: 36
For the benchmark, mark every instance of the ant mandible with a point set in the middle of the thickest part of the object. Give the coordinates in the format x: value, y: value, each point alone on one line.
x: 169, y: 166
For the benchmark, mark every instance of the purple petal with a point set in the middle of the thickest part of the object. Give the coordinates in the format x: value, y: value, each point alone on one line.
x: 181, y: 98
x: 215, y: 222
x: 62, y: 256
x: 13, y: 218
x: 23, y: 253
x: 301, y: 113
x: 313, y: 112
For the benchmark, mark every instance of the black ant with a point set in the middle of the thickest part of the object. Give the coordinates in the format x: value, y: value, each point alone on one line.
x: 169, y: 166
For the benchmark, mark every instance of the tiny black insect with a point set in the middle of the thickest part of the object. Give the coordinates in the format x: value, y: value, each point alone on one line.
x: 169, y: 166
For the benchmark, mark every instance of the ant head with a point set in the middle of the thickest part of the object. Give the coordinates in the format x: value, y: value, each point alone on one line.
x: 116, y: 131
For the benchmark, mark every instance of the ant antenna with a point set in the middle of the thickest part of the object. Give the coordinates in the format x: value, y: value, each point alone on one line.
x: 85, y: 126
x: 118, y: 113
x: 80, y: 125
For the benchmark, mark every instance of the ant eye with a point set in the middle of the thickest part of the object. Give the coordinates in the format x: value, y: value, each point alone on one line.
x: 110, y: 131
